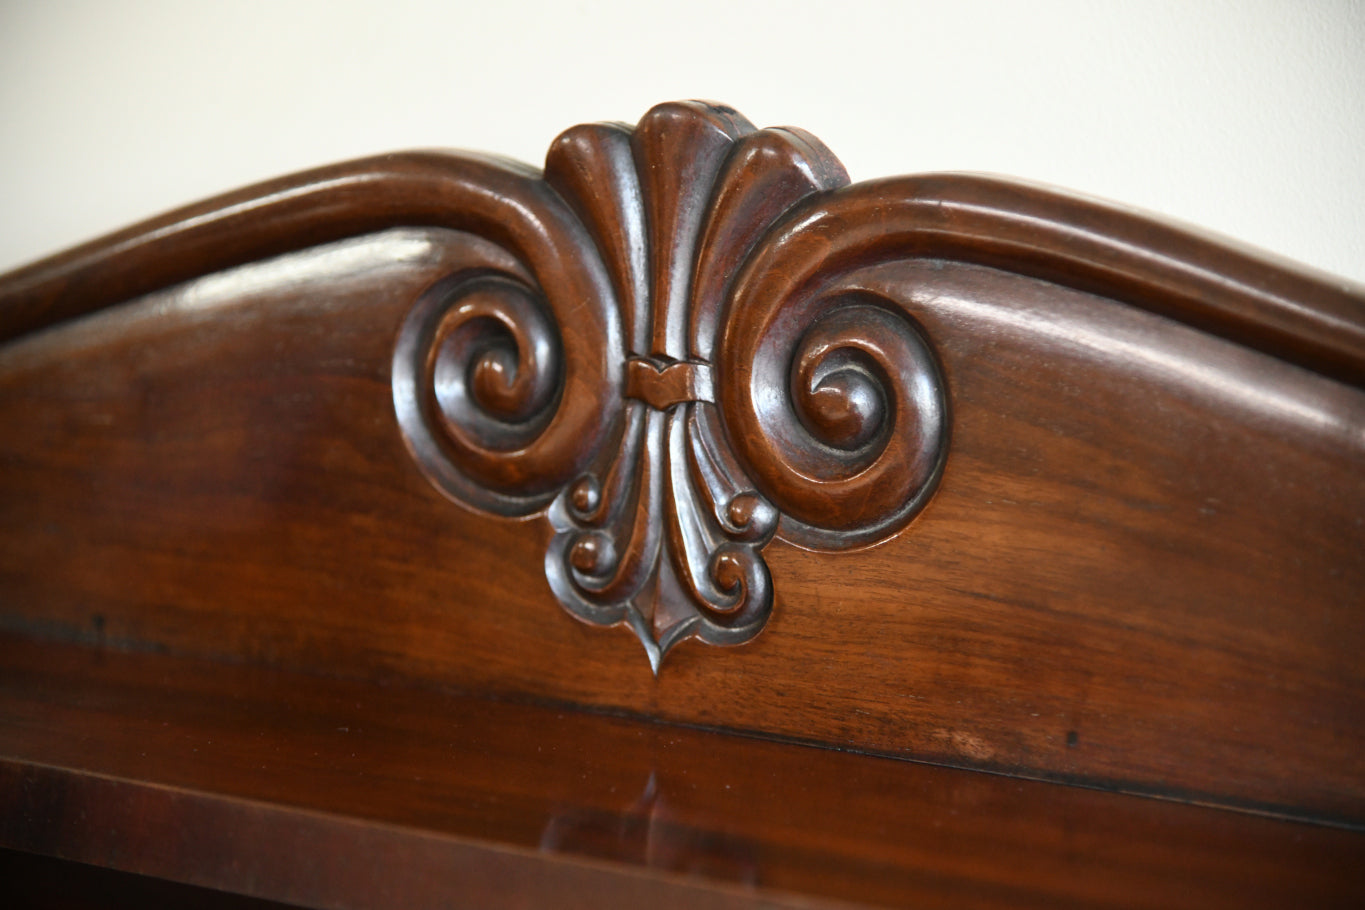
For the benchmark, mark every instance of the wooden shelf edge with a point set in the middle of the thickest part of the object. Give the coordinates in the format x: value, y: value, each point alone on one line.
x: 314, y: 859
x: 331, y: 793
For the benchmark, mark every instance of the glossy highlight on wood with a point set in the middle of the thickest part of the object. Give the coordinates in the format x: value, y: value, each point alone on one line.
x: 328, y: 793
x: 1132, y: 593
x: 833, y: 435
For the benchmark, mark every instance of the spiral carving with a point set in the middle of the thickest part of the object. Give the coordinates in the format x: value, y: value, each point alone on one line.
x: 853, y: 449
x: 478, y: 382
x: 494, y: 365
x: 740, y: 574
x: 745, y: 408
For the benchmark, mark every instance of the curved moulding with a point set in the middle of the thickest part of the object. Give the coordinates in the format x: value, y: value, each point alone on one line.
x: 702, y: 463
x: 680, y: 368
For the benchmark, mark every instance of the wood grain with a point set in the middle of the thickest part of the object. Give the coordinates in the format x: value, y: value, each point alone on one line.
x: 314, y: 499
x: 327, y: 793
x: 1142, y: 569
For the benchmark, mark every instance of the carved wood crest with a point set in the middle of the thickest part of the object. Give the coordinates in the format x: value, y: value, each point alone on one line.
x: 678, y: 374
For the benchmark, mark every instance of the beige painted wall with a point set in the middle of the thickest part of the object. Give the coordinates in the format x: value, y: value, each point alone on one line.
x: 1245, y: 117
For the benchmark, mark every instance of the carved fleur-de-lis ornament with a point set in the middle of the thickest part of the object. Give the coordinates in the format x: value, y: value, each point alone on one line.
x: 676, y: 375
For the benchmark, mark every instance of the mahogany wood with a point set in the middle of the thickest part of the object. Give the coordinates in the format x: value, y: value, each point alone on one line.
x: 327, y: 793
x: 968, y: 472
x: 1158, y: 556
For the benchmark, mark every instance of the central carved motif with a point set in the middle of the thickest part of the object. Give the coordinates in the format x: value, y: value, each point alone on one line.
x: 678, y: 371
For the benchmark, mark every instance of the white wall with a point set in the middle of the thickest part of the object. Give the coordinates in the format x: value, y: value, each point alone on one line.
x: 1245, y: 117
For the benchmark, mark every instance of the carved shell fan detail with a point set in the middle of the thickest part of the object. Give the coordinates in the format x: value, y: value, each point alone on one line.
x: 678, y: 373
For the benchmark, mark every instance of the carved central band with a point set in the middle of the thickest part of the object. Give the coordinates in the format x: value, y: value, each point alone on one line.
x: 663, y: 385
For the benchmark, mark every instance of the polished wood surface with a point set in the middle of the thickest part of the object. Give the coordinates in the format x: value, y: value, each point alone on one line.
x: 329, y: 793
x: 1157, y: 554
x: 1269, y: 303
x: 962, y: 471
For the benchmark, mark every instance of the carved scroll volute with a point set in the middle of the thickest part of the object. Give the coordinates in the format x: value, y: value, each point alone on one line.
x: 855, y: 447
x: 728, y: 411
x: 507, y: 385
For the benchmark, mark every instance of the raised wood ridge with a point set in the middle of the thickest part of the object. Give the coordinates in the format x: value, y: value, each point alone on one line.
x: 1288, y: 310
x: 961, y: 470
x: 514, y: 804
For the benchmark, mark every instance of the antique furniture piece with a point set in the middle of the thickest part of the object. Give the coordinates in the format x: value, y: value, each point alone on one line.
x: 988, y: 546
